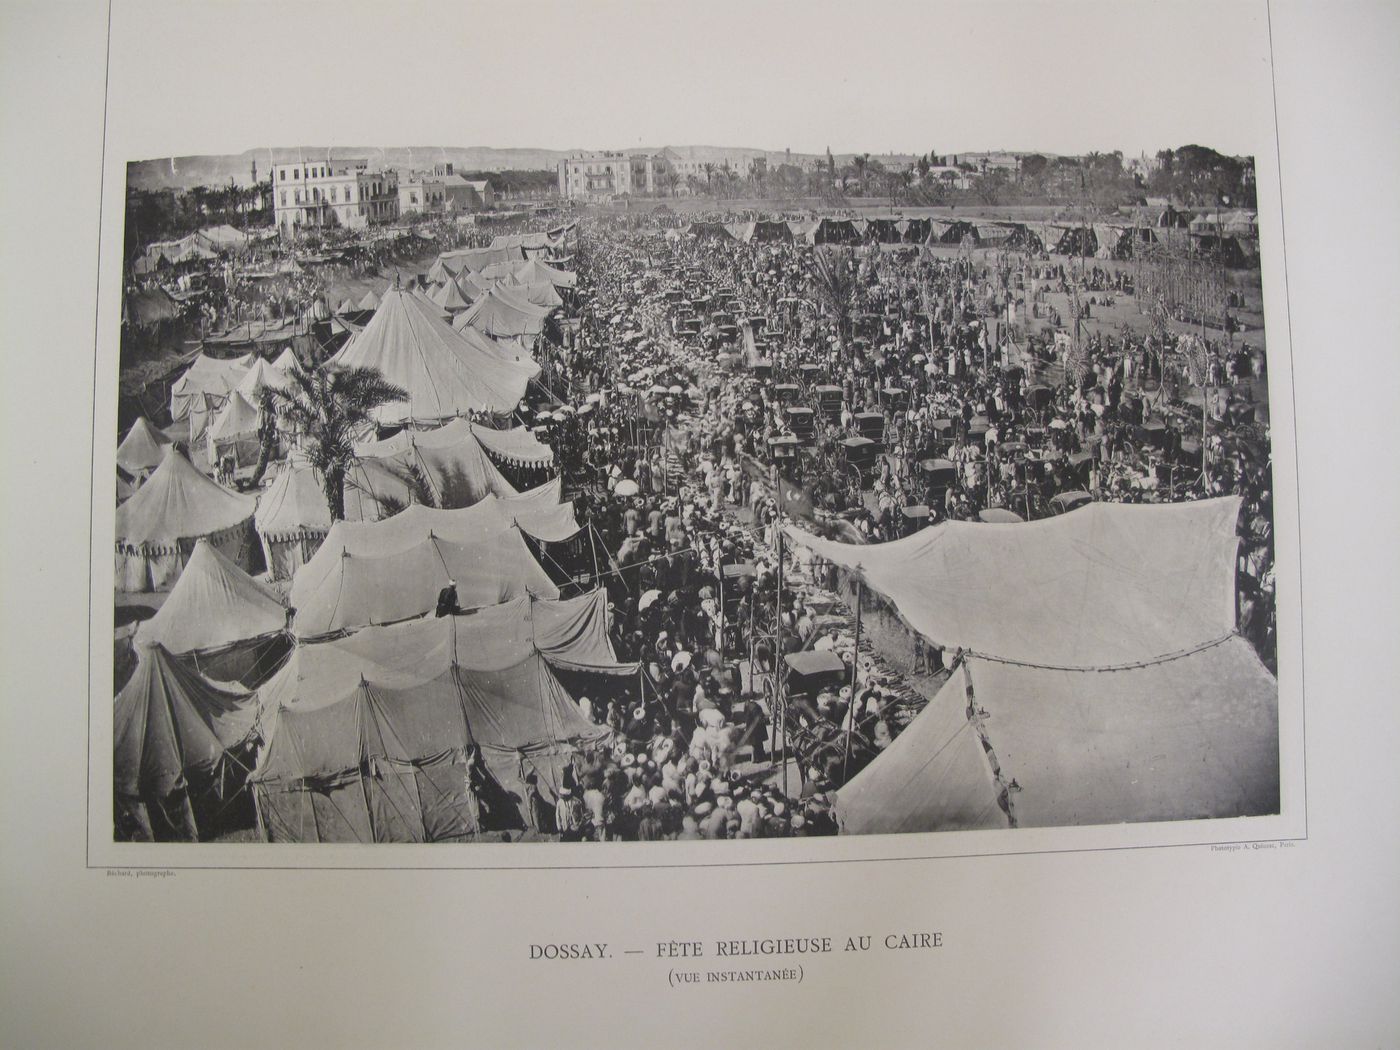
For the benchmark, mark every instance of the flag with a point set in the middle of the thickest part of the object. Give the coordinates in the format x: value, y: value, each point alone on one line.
x: 794, y: 500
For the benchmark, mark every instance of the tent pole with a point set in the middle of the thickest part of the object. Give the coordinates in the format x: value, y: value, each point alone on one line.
x: 855, y: 670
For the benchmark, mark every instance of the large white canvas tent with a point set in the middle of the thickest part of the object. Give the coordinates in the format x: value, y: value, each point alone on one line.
x: 439, y: 752
x: 142, y: 449
x: 449, y: 460
x: 218, y: 613
x: 570, y: 633
x: 449, y: 296
x: 443, y: 374
x: 293, y: 517
x: 1176, y: 739
x: 502, y: 314
x: 541, y: 294
x: 511, y: 352
x: 158, y: 527
x: 1099, y: 679
x: 287, y: 362
x: 393, y: 570
x: 1106, y: 584
x: 175, y: 732
x: 532, y: 241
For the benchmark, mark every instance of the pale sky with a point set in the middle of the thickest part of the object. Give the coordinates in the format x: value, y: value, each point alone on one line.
x: 858, y: 76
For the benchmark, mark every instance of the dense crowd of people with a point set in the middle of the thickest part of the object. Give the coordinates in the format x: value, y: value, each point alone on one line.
x: 981, y: 402
x: 686, y: 363
x: 668, y: 442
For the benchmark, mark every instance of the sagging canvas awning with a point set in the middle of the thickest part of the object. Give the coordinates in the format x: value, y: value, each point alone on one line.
x: 517, y: 446
x: 1103, y: 585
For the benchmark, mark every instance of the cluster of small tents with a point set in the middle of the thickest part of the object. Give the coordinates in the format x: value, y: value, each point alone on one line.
x: 237, y: 687
x: 207, y: 243
x: 1100, y: 239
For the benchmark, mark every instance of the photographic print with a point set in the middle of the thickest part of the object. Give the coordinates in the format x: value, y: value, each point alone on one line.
x: 674, y: 491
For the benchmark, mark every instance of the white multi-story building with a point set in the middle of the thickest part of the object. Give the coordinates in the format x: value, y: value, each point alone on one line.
x: 597, y: 176
x: 319, y: 194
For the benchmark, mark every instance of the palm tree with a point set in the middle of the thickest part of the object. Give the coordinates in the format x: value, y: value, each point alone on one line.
x: 327, y: 407
x: 267, y: 432
x: 834, y: 287
x: 709, y: 170
x: 861, y: 162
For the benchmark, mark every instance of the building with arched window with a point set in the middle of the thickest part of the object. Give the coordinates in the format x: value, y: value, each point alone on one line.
x: 319, y: 194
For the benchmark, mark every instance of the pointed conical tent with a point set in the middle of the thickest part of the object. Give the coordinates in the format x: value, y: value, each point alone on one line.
x: 369, y: 301
x: 142, y: 449
x: 448, y: 296
x: 287, y: 361
x: 292, y: 518
x: 542, y: 294
x: 158, y: 527
x: 440, y: 312
x: 345, y: 307
x: 234, y: 432
x: 171, y: 725
x: 214, y: 604
x: 472, y: 286
x: 444, y: 375
x: 438, y: 273
x: 536, y: 272
x: 262, y: 375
